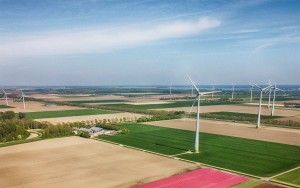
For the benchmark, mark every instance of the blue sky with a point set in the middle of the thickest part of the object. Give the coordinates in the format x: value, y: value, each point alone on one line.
x: 114, y: 42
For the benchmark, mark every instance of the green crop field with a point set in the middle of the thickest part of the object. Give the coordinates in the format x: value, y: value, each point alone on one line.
x: 4, y: 106
x: 243, y: 155
x: 66, y: 113
x: 235, y: 116
x: 96, y: 101
x: 290, y: 177
x: 176, y: 104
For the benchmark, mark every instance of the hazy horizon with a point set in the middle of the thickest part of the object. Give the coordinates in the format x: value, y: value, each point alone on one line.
x: 149, y: 42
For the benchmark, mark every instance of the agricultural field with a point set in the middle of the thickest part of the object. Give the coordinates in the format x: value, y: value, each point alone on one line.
x: 176, y: 104
x: 292, y: 177
x: 242, y: 130
x: 249, y: 109
x: 236, y: 116
x: 86, y: 97
x: 66, y: 113
x: 243, y: 155
x: 4, y: 106
x: 98, y: 101
x: 113, y: 116
x: 92, y: 163
x: 290, y: 122
x: 33, y: 106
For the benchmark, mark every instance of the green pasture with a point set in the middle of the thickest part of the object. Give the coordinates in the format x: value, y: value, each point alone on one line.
x: 249, y: 156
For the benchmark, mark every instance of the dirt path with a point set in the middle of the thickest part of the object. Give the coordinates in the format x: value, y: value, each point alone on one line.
x: 272, y: 134
x: 79, y: 162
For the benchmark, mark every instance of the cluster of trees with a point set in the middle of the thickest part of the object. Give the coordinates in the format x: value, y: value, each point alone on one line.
x: 11, y: 129
x: 11, y: 115
x: 83, y: 134
x: 162, y: 115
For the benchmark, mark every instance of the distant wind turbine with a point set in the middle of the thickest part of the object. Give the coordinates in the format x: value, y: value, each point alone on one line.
x: 260, y: 100
x: 198, y: 96
x: 251, y: 92
x: 23, y: 98
x: 5, y: 95
x: 274, y: 95
x: 270, y: 92
x: 232, y: 94
x: 170, y: 89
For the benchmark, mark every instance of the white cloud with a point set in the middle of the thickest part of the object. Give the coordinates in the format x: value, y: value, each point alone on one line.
x: 281, y: 40
x: 97, y: 40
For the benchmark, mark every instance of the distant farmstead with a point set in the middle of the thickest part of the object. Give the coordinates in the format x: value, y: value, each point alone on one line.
x: 92, y: 130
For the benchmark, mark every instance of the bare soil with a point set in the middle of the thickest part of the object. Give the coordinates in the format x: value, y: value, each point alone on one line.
x: 32, y: 106
x: 79, y: 162
x: 272, y: 134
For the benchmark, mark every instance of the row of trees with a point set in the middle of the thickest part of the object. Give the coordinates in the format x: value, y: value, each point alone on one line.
x: 54, y: 131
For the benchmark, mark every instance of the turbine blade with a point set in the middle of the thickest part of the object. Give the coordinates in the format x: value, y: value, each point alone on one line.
x: 192, y: 106
x: 193, y: 84
x: 257, y: 86
x: 268, y: 87
x: 209, y: 92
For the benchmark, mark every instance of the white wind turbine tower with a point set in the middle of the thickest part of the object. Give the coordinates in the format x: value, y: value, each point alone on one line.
x: 274, y: 95
x: 23, y: 99
x: 251, y: 92
x: 260, y: 100
x: 198, y: 97
x: 170, y: 89
x: 270, y: 92
x: 232, y: 94
x: 213, y: 89
x: 5, y: 95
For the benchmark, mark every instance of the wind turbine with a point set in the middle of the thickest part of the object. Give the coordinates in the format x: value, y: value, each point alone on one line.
x: 270, y: 92
x: 260, y: 100
x: 213, y: 89
x: 274, y: 95
x: 251, y: 92
x: 232, y: 94
x: 5, y: 95
x: 170, y: 90
x: 198, y: 97
x: 23, y: 99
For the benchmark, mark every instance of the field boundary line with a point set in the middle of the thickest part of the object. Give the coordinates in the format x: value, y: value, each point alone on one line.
x: 131, y: 147
x: 187, y: 152
x: 284, y: 172
x: 220, y: 168
x: 181, y: 159
x: 284, y: 183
